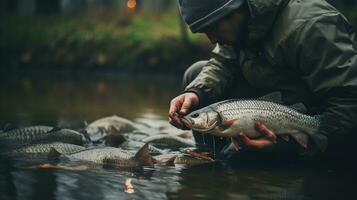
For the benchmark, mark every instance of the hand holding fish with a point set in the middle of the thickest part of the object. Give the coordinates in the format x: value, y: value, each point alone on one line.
x: 181, y: 105
x: 264, y: 143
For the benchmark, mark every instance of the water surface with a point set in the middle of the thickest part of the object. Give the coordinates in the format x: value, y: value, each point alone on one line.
x: 67, y: 101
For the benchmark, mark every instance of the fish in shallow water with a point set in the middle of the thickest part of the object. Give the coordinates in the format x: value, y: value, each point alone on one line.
x: 133, y: 145
x: 187, y: 159
x: 40, y: 134
x: 229, y: 118
x: 172, y: 141
x: 112, y: 125
x: 42, y: 150
x: 112, y: 156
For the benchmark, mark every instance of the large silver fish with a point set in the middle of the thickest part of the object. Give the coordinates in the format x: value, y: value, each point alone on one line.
x: 43, y: 150
x: 35, y: 134
x: 113, y: 156
x: 229, y: 118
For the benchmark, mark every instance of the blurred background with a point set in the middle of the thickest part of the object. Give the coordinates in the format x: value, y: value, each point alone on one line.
x: 119, y: 35
x: 66, y: 61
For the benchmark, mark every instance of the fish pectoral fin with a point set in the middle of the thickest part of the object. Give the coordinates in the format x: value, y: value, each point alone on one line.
x: 53, y: 154
x: 144, y: 157
x: 228, y: 123
x: 320, y: 140
x: 286, y: 138
x: 301, y: 138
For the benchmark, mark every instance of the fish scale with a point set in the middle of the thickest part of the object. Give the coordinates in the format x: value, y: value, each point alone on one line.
x: 262, y: 110
x: 63, y: 148
x: 34, y: 134
x: 116, y: 156
x: 229, y: 118
x: 22, y: 136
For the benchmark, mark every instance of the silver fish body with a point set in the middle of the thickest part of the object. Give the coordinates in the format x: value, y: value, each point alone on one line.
x: 111, y: 125
x: 229, y: 118
x: 166, y: 140
x: 38, y: 150
x: 35, y: 134
x: 115, y: 156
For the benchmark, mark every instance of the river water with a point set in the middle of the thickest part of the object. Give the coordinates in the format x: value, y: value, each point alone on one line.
x: 68, y: 101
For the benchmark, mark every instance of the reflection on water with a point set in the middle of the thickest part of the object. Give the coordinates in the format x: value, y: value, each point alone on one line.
x: 68, y: 102
x: 29, y: 100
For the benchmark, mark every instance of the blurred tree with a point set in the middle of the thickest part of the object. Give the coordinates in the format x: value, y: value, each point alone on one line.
x: 155, y: 5
x: 9, y: 6
x: 73, y: 5
x: 47, y: 7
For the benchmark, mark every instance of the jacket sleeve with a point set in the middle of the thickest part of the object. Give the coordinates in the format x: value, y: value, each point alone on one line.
x: 215, y: 76
x: 324, y: 52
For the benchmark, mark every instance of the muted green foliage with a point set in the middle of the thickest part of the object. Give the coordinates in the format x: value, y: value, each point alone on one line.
x: 120, y: 41
x: 113, y: 40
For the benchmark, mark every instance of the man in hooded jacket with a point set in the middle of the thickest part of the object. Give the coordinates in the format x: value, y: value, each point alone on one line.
x: 306, y: 49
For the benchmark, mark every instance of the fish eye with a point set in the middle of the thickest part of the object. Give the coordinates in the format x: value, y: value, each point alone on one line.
x: 195, y: 115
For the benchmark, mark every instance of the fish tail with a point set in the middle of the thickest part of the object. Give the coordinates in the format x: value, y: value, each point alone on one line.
x: 144, y: 157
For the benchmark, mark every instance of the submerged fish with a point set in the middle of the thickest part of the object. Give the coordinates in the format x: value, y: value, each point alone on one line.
x: 229, y: 118
x: 114, y: 156
x: 166, y: 159
x: 35, y: 134
x: 164, y: 140
x: 109, y: 126
x: 189, y: 160
x: 133, y: 145
x: 39, y: 150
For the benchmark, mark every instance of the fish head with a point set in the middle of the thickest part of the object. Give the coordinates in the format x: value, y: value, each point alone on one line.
x: 203, y: 120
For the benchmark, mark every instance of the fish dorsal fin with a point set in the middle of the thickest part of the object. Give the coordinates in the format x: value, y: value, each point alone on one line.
x: 275, y: 97
x: 144, y: 157
x: 85, y: 123
x: 53, y: 154
x: 300, y: 107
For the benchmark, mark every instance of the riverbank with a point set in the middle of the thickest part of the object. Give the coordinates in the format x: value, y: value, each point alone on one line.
x: 102, y: 41
x: 106, y: 41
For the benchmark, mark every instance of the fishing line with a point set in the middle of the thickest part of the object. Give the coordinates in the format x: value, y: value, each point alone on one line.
x: 203, y: 138
x: 214, y: 146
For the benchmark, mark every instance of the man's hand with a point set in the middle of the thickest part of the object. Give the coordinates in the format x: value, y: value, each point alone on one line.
x: 181, y: 105
x: 265, y: 143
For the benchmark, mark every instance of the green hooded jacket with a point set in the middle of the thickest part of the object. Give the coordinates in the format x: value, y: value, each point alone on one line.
x: 304, y: 48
